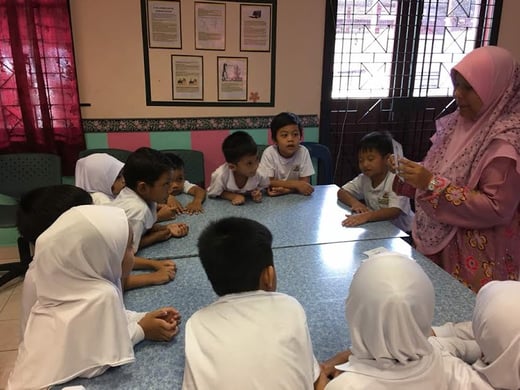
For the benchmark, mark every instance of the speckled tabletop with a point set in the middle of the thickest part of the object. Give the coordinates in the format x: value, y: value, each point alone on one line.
x: 293, y: 219
x: 317, y: 275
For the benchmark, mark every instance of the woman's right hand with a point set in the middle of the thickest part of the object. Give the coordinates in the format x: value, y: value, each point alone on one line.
x: 414, y: 174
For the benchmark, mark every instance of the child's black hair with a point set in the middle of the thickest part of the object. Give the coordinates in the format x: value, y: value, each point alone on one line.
x: 234, y: 252
x: 146, y: 165
x: 39, y: 208
x: 381, y: 142
x: 237, y: 145
x: 283, y: 119
x: 176, y: 161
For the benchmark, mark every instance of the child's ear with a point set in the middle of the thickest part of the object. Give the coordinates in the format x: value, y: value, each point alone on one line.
x: 141, y: 187
x: 268, y: 279
x: 232, y: 166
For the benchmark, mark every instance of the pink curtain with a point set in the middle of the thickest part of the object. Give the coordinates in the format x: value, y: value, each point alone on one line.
x: 39, y: 102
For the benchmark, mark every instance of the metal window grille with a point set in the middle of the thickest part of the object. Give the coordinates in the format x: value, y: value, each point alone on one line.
x: 404, y: 48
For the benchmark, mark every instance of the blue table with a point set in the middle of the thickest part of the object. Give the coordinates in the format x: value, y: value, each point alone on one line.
x: 293, y: 219
x: 317, y: 275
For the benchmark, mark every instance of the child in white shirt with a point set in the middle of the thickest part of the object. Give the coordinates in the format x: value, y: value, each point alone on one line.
x: 287, y: 163
x: 389, y: 311
x: 238, y: 176
x: 182, y: 186
x: 252, y: 337
x: 370, y: 194
x: 78, y: 285
x: 148, y: 177
x: 495, y: 329
x: 101, y: 175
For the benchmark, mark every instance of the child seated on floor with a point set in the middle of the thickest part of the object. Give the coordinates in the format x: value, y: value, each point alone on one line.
x: 251, y: 334
x: 389, y: 311
x: 238, y: 176
x: 148, y: 177
x: 370, y: 194
x: 182, y: 186
x: 287, y: 163
x: 101, y: 175
x: 78, y: 325
x: 495, y: 330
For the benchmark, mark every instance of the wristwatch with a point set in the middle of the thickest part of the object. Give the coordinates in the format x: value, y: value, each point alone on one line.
x: 432, y: 184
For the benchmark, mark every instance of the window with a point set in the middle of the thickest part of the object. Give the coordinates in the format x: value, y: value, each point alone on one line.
x: 396, y: 48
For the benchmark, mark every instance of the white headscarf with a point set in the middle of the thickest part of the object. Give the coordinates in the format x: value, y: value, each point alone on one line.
x: 78, y: 322
x: 496, y: 326
x: 97, y: 173
x: 390, y: 311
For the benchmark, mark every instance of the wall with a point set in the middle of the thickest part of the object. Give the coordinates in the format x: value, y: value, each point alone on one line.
x: 509, y: 27
x: 109, y: 57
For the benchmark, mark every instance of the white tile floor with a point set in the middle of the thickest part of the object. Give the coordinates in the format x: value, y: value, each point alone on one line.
x: 10, y: 295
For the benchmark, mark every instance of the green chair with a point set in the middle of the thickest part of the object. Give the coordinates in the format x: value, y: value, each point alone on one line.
x: 322, y: 154
x: 120, y: 154
x: 193, y: 164
x: 21, y: 173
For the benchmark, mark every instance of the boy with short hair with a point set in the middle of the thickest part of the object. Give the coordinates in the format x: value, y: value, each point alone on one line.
x: 287, y: 163
x: 181, y: 185
x: 252, y: 337
x: 39, y: 208
x: 374, y: 186
x: 238, y: 176
x: 147, y: 175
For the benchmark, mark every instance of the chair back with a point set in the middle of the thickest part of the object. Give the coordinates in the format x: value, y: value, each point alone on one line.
x: 193, y: 164
x: 120, y: 154
x: 23, y: 172
x: 322, y: 154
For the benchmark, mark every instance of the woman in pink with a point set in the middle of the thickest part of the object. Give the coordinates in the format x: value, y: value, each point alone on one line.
x: 468, y: 186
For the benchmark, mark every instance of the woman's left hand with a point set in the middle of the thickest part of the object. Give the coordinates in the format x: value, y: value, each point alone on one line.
x: 414, y: 174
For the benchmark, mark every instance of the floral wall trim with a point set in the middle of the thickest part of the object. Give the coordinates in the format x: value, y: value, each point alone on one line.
x: 184, y: 124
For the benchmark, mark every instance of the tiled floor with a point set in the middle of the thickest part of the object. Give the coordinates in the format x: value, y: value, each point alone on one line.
x: 10, y: 295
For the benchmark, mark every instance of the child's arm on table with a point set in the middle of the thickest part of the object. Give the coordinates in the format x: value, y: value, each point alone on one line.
x: 256, y: 195
x: 302, y: 186
x: 177, y: 229
x: 148, y: 279
x: 347, y: 198
x: 199, y: 196
x: 328, y: 367
x: 165, y: 212
x: 155, y: 234
x: 234, y: 198
x: 175, y: 205
x: 161, y: 324
x: 384, y: 214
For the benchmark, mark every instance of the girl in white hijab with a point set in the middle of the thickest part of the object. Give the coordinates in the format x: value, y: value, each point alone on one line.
x: 389, y: 311
x: 496, y: 329
x: 496, y: 325
x: 100, y: 174
x: 78, y: 326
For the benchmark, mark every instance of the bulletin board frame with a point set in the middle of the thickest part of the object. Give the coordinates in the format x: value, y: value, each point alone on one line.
x: 261, y: 65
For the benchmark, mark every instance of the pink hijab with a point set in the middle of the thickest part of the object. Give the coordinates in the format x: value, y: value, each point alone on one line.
x: 459, y: 145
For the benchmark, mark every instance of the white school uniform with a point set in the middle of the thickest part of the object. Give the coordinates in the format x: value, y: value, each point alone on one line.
x: 96, y: 174
x: 380, y: 197
x: 253, y: 340
x: 274, y: 165
x: 222, y: 179
x: 141, y: 215
x: 389, y: 310
x: 496, y: 330
x: 187, y: 187
x: 77, y: 285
